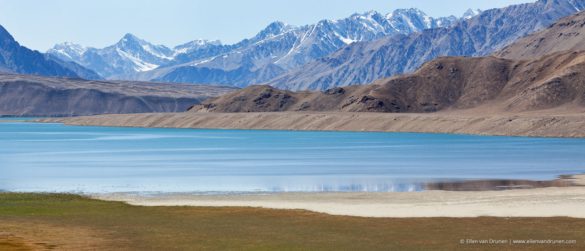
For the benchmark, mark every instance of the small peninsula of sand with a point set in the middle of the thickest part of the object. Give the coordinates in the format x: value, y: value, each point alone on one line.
x: 539, y: 202
x: 539, y: 124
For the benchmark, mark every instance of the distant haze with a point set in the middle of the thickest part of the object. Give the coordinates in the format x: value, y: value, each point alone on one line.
x: 41, y: 24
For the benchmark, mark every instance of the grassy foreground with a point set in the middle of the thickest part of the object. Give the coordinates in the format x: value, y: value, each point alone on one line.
x: 71, y: 222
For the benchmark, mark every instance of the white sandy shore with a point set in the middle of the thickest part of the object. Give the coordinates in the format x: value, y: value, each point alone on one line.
x: 541, y: 202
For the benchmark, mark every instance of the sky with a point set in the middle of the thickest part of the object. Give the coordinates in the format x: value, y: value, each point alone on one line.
x: 40, y: 24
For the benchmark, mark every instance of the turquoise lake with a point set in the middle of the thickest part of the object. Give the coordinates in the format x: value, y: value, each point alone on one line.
x: 59, y: 158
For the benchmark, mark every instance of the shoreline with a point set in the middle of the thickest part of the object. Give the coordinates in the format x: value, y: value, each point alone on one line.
x: 547, y: 124
x: 534, y: 202
x: 537, y: 202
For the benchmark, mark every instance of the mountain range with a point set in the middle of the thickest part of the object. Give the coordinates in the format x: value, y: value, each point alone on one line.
x: 272, y: 52
x: 128, y: 56
x: 352, y: 51
x: 15, y: 58
x: 530, y: 74
x: 480, y: 35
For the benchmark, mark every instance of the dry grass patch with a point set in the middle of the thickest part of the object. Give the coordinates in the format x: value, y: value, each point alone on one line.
x: 53, y: 221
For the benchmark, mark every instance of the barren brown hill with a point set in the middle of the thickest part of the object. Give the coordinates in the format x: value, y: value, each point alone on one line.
x: 27, y: 95
x: 446, y: 83
x: 568, y: 34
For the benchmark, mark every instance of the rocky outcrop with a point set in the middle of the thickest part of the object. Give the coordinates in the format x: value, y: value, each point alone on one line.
x: 566, y: 35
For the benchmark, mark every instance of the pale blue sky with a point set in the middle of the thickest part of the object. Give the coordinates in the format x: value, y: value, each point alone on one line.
x: 39, y: 24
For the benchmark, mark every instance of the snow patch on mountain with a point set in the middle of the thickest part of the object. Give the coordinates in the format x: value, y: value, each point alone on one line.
x: 471, y: 13
x: 68, y: 50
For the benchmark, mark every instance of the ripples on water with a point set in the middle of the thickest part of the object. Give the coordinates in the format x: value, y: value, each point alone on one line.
x: 58, y: 158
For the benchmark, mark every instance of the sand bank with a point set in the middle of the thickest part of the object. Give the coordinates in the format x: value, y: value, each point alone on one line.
x: 529, y: 124
x: 540, y: 202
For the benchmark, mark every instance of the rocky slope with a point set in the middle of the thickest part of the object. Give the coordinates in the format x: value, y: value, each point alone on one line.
x: 25, y: 95
x: 15, y: 58
x: 445, y: 83
x: 566, y: 35
x: 361, y: 63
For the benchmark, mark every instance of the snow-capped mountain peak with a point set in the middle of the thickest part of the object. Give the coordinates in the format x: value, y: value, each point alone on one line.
x: 129, y: 55
x: 142, y: 54
x: 274, y: 29
x: 365, y: 15
x: 414, y: 20
x: 69, y: 51
x: 200, y: 42
x: 131, y: 43
x: 194, y: 45
x: 129, y: 37
x: 471, y: 13
x: 412, y: 12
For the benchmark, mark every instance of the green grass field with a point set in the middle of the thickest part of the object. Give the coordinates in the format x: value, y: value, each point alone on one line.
x: 56, y: 221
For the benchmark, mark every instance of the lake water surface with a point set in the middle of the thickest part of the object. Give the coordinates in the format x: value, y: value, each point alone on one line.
x: 59, y: 158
